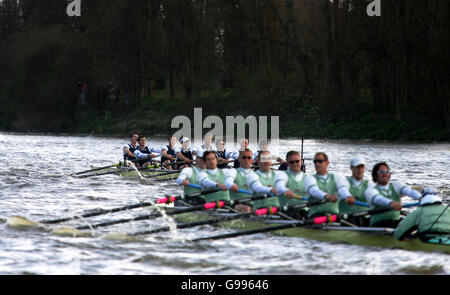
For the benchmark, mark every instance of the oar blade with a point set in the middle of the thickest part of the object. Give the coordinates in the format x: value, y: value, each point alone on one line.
x: 20, y: 222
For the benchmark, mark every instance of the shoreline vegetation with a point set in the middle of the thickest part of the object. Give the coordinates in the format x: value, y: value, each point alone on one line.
x: 155, y: 116
x: 326, y: 68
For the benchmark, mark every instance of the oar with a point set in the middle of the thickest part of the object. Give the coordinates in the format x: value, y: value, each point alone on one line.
x: 312, y: 221
x: 119, y: 209
x: 92, y: 170
x: 99, y: 174
x: 403, y: 206
x: 259, y: 212
x: 206, y: 206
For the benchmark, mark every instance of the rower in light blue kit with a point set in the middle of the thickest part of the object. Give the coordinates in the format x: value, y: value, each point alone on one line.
x: 325, y: 185
x: 292, y: 182
x: 213, y: 178
x: 262, y: 181
x: 387, y: 193
x: 431, y: 220
x: 236, y: 179
x: 356, y: 186
x: 189, y: 175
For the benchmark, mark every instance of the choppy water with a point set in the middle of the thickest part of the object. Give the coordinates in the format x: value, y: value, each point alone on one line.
x: 34, y: 184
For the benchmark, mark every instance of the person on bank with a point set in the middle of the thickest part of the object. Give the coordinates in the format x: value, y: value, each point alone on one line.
x: 290, y: 183
x: 355, y: 186
x: 325, y: 185
x: 143, y: 153
x: 431, y: 220
x: 213, y: 177
x: 387, y: 193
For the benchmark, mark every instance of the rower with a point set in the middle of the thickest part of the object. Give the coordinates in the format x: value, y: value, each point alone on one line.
x: 223, y: 155
x: 129, y: 148
x: 387, y: 193
x: 184, y: 153
x: 143, y: 153
x: 243, y: 145
x: 237, y: 179
x: 189, y: 175
x: 292, y: 182
x: 168, y: 155
x: 207, y: 144
x: 264, y: 146
x: 355, y: 186
x: 262, y: 181
x: 324, y: 185
x: 213, y: 178
x: 431, y: 219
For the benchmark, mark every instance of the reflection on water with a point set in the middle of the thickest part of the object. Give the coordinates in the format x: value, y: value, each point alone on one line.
x: 34, y: 184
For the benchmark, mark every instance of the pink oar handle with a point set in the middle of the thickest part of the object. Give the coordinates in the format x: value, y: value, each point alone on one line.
x: 166, y: 200
x: 266, y: 211
x: 212, y: 205
x: 325, y: 219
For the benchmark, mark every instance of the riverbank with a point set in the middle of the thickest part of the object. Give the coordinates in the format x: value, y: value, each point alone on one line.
x: 154, y: 116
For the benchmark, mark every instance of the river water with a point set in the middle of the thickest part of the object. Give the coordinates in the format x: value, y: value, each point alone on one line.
x: 34, y: 184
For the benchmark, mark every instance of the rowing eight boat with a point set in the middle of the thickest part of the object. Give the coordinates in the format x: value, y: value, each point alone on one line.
x: 334, y: 232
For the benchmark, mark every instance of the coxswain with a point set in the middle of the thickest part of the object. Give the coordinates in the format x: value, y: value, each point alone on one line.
x: 387, y: 193
x: 168, y: 154
x: 184, y: 154
x: 129, y: 148
x: 325, y: 185
x: 143, y: 153
x: 213, y: 177
x: 291, y: 183
x: 223, y: 155
x: 431, y: 220
x: 356, y: 186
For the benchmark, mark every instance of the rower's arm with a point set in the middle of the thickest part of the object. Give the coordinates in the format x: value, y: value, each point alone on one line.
x: 280, y: 183
x: 312, y: 189
x: 255, y: 185
x: 406, y: 190
x: 186, y: 173
x: 342, y: 186
x: 374, y: 198
x: 139, y: 155
x: 204, y: 181
x: 229, y: 180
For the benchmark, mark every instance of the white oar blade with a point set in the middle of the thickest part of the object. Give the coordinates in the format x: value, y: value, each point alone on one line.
x: 20, y: 222
x: 70, y: 232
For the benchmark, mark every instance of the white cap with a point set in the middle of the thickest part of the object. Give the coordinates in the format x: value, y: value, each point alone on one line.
x: 430, y: 199
x: 355, y: 162
x: 184, y: 139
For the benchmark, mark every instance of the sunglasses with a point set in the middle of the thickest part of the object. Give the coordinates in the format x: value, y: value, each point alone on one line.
x: 246, y: 158
x: 318, y: 161
x: 384, y: 171
x: 294, y: 162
